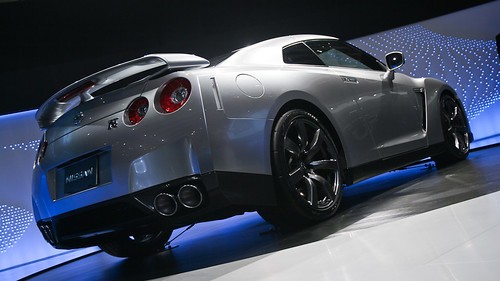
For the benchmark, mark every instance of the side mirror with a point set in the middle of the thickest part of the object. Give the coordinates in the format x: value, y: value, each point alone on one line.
x: 394, y: 61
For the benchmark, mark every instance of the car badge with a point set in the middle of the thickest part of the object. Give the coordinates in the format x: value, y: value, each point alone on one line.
x: 113, y: 123
x: 78, y: 119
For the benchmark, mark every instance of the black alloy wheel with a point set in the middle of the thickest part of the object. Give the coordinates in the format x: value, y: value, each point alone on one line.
x: 307, y: 170
x: 456, y: 132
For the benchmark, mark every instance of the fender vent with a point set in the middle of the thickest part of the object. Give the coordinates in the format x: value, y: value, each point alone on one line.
x: 423, y: 106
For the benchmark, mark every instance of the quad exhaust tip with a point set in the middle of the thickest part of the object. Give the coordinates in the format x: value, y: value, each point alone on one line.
x: 165, y: 204
x: 188, y: 196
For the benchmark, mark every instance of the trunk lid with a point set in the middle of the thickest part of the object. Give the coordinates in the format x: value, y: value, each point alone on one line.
x: 107, y: 92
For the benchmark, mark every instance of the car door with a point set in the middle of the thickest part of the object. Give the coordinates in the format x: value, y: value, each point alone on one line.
x: 390, y: 107
x: 392, y: 110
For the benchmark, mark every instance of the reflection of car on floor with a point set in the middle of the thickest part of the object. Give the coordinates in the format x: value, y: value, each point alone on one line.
x: 168, y: 140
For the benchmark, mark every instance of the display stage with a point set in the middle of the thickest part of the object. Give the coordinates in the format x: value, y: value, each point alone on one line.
x: 418, y: 223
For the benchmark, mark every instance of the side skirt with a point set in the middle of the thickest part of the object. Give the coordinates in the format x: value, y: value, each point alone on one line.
x: 365, y: 171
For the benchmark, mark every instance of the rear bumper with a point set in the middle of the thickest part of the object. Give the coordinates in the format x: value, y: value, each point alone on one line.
x: 224, y: 194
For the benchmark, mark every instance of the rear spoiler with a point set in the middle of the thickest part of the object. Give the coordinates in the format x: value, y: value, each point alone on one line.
x: 110, y: 79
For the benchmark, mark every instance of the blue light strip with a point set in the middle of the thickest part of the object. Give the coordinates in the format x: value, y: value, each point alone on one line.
x: 31, y: 145
x: 25, y: 145
x: 15, y: 116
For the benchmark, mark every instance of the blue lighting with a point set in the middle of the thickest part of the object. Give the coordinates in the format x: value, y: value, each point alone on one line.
x: 12, y: 123
x: 471, y: 67
x: 30, y: 114
x: 13, y: 223
x: 30, y: 145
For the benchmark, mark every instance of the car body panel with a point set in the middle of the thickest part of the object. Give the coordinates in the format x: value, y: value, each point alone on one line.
x: 220, y: 139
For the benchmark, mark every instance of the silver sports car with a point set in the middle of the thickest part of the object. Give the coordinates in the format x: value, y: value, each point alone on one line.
x: 279, y: 127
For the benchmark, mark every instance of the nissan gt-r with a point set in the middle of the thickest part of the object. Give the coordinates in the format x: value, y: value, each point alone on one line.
x: 280, y: 127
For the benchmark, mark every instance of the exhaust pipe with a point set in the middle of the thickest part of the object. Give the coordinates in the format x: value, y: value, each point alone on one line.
x: 165, y: 204
x: 190, y: 196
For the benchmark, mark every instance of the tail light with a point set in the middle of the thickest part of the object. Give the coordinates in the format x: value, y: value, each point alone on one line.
x: 174, y: 94
x: 136, y: 111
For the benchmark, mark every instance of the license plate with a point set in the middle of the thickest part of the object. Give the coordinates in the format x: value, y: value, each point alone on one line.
x: 78, y: 176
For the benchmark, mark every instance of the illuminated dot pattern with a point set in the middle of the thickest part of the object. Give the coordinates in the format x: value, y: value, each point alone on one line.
x: 26, y: 146
x: 471, y: 67
x: 13, y: 223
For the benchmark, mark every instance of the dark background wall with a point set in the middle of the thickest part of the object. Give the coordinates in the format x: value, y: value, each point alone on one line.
x: 48, y: 44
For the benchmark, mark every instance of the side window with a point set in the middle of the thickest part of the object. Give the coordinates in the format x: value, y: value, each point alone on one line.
x: 338, y: 53
x: 300, y: 54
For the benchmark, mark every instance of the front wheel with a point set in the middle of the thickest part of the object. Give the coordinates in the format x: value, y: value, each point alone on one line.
x: 137, y: 245
x: 456, y: 132
x: 307, y: 170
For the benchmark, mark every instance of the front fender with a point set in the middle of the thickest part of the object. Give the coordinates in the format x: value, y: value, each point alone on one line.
x: 434, y: 89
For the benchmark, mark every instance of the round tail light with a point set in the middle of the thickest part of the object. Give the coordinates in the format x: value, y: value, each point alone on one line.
x: 174, y: 94
x: 136, y: 111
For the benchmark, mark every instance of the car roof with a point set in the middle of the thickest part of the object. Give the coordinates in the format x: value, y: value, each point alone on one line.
x: 268, y: 52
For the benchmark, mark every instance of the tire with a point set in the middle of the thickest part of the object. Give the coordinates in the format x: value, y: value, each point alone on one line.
x: 307, y: 170
x: 138, y: 245
x: 455, y: 130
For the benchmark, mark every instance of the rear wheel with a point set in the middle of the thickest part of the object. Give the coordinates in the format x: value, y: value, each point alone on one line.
x: 137, y: 245
x: 456, y: 133
x: 307, y: 170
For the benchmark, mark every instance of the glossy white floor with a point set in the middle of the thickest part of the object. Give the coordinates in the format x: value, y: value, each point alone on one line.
x: 456, y: 242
